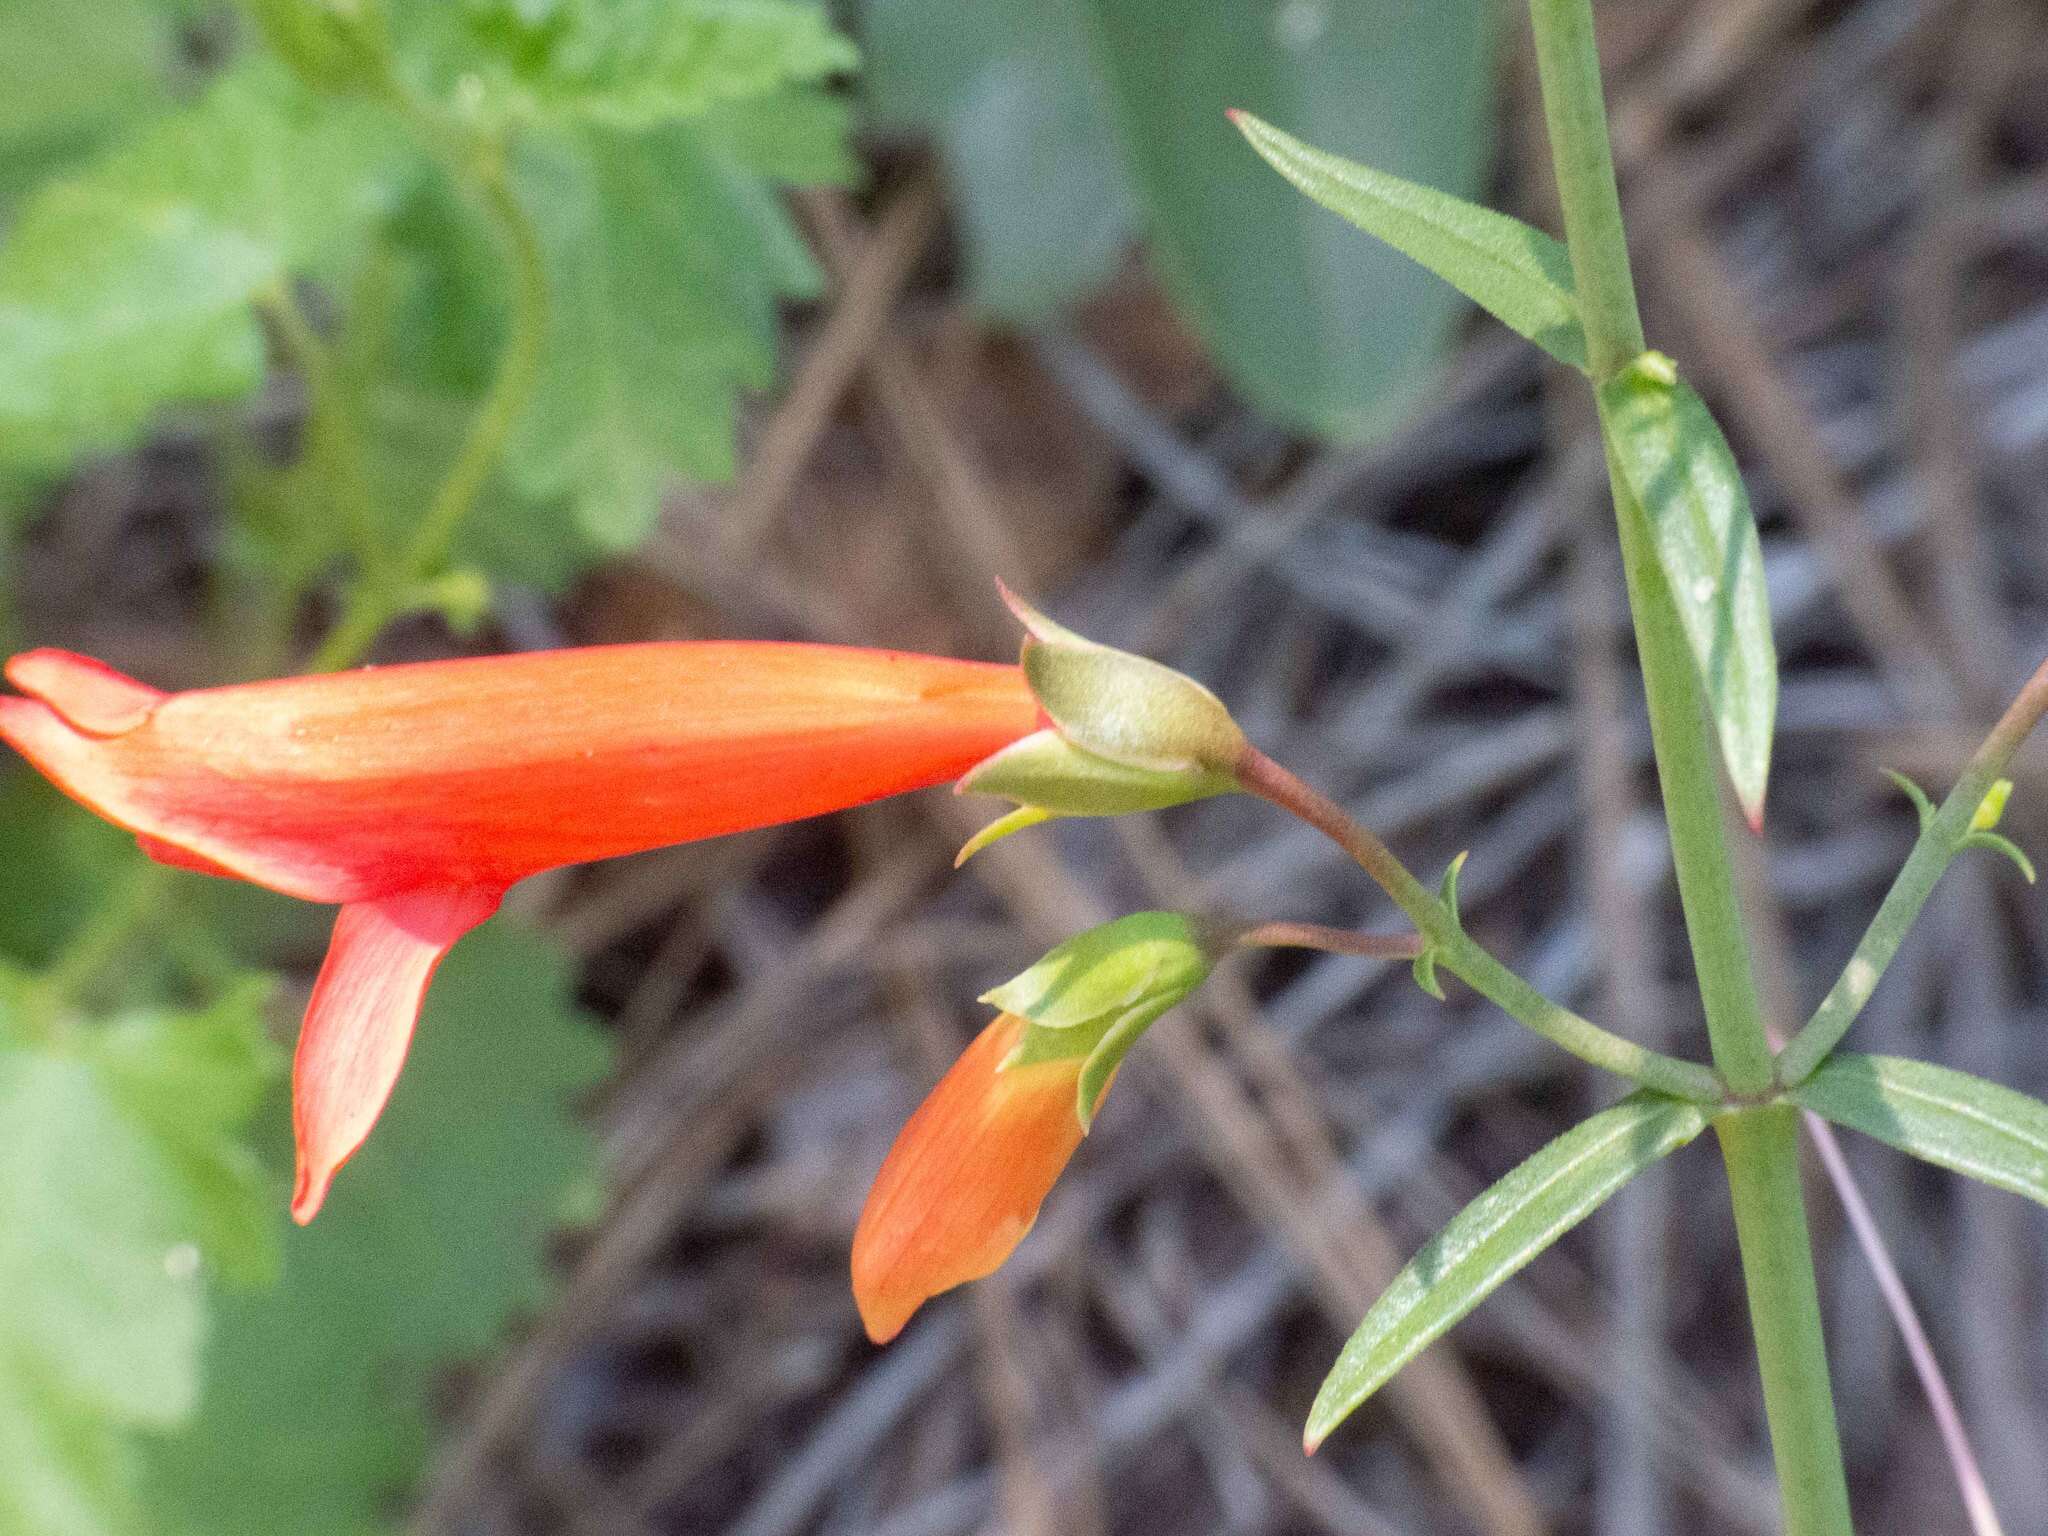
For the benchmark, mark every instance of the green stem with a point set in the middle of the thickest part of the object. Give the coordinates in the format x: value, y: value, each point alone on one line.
x: 1258, y: 774
x: 334, y: 432
x: 1760, y: 1147
x: 1945, y: 834
x: 1761, y: 1150
x: 371, y: 605
x: 1575, y: 110
x: 518, y: 371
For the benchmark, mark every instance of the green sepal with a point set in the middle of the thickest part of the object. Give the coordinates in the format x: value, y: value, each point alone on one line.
x: 1091, y: 998
x: 1103, y: 973
x: 1047, y: 772
x: 1922, y: 806
x: 1023, y: 817
x: 1128, y: 709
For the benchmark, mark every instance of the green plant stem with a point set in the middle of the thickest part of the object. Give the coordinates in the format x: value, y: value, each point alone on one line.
x: 1944, y: 836
x: 1258, y: 774
x: 1761, y: 1149
x: 334, y: 432
x: 511, y: 389
x: 371, y: 605
x: 1575, y: 110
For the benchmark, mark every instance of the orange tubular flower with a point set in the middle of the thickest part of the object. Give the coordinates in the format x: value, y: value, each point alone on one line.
x: 963, y: 1183
x: 415, y: 795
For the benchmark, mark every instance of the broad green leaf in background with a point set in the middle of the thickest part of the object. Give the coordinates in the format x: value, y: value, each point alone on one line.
x: 58, y: 866
x: 1682, y: 474
x: 432, y: 1239
x: 72, y: 73
x: 1321, y: 329
x: 1011, y: 91
x: 631, y: 64
x: 1495, y: 1236
x: 668, y: 254
x: 128, y: 286
x: 1518, y: 274
x: 121, y: 1165
x: 1942, y: 1116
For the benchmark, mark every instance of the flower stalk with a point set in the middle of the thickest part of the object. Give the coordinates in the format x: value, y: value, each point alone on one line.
x: 1945, y: 834
x: 1464, y: 957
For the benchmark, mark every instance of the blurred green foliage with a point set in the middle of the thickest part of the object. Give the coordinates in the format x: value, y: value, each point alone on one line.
x: 647, y: 140
x: 122, y: 1175
x: 1068, y: 125
x: 434, y: 1238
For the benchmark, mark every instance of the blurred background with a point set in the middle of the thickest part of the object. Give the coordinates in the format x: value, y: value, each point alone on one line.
x: 829, y: 347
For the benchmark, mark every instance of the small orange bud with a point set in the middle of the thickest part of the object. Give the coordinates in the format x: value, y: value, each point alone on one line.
x: 963, y: 1183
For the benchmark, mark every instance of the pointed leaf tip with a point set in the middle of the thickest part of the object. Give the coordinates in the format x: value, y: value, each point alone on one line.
x: 1494, y: 1237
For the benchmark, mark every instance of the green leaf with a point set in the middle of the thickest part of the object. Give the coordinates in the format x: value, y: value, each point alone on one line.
x: 1516, y: 273
x: 1495, y: 1236
x: 70, y: 74
x: 1322, y: 329
x: 1942, y: 1116
x: 1678, y: 468
x: 122, y: 1176
x: 128, y: 286
x: 433, y: 1237
x: 667, y: 257
x: 58, y: 868
x: 1011, y: 91
x: 636, y: 64
x: 70, y: 1472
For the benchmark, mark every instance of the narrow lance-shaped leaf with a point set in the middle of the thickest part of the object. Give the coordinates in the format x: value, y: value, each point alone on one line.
x: 1495, y: 1236
x: 1680, y: 471
x: 1516, y: 273
x: 1941, y: 1116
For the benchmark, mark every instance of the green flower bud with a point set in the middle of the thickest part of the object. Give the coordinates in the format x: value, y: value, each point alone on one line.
x: 1093, y: 996
x: 1127, y: 735
x: 1126, y: 708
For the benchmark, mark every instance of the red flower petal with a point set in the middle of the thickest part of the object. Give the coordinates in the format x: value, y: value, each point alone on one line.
x: 415, y: 795
x: 482, y: 771
x: 963, y: 1183
x: 88, y: 694
x: 360, y: 1022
